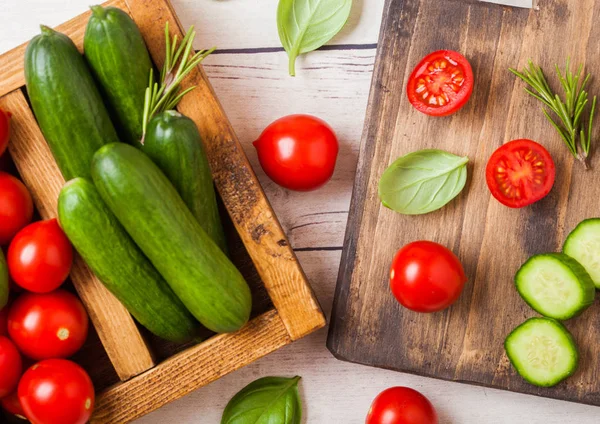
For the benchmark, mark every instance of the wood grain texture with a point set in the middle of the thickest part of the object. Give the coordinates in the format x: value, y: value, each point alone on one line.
x: 11, y: 62
x: 191, y: 369
x: 465, y: 342
x: 237, y: 184
x: 117, y: 330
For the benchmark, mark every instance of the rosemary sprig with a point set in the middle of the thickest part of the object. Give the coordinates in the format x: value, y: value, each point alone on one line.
x: 180, y: 59
x: 568, y: 111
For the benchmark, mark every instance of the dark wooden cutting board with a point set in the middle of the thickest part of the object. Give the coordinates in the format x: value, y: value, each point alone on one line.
x: 465, y: 342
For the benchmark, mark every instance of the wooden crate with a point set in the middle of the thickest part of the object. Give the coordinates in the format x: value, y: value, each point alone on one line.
x: 135, y: 373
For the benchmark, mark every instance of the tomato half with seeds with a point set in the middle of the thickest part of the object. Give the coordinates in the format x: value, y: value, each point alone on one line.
x: 520, y: 173
x: 441, y: 83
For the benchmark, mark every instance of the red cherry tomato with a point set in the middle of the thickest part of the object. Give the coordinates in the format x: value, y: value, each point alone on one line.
x: 16, y: 207
x: 298, y: 152
x: 40, y: 257
x: 401, y: 405
x: 56, y: 391
x: 520, y: 173
x: 12, y: 405
x: 4, y: 130
x: 426, y: 277
x: 441, y: 83
x: 48, y: 325
x: 4, y: 321
x: 10, y: 366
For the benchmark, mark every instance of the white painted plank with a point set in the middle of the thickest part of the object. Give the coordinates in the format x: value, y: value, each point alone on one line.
x: 227, y: 24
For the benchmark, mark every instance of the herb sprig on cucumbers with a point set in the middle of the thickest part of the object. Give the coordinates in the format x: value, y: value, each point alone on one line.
x: 180, y: 60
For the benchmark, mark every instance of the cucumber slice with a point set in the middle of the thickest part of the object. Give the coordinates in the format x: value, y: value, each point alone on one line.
x: 583, y: 244
x: 555, y: 285
x: 542, y: 351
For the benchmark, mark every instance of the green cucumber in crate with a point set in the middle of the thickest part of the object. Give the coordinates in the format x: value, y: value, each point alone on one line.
x: 158, y: 220
x: 66, y: 102
x: 120, y: 62
x: 173, y: 142
x: 114, y: 257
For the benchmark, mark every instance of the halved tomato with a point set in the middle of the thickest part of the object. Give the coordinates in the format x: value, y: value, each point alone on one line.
x: 520, y: 173
x: 441, y: 83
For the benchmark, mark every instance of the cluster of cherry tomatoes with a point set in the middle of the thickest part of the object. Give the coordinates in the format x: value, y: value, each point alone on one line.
x: 42, y: 324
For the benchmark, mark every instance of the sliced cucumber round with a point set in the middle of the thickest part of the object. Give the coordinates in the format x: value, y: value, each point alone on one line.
x: 555, y: 285
x: 583, y: 244
x: 542, y: 351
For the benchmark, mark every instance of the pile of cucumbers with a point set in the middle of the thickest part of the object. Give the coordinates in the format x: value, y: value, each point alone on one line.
x: 559, y: 286
x: 144, y: 217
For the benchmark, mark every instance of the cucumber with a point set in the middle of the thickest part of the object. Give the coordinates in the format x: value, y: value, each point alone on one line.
x: 66, y: 103
x: 115, y: 259
x: 583, y: 245
x: 555, y: 285
x: 3, y: 281
x: 119, y: 60
x: 152, y: 212
x: 542, y: 351
x: 173, y: 142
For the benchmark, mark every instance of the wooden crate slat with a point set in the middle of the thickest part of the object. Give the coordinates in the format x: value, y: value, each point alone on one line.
x: 118, y: 332
x: 191, y: 369
x: 11, y: 62
x: 242, y: 194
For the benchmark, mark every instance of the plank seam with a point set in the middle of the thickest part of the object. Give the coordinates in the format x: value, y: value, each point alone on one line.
x: 259, y: 50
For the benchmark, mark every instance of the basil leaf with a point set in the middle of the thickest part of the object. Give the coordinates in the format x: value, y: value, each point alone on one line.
x: 305, y: 25
x: 268, y: 400
x: 422, y: 181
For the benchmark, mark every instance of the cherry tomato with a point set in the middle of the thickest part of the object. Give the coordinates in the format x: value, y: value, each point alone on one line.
x: 16, y: 207
x: 48, y: 325
x: 401, y: 405
x: 11, y: 366
x: 4, y: 321
x: 298, y: 152
x: 56, y: 391
x: 426, y: 277
x: 441, y: 83
x: 4, y: 130
x: 12, y: 405
x: 40, y: 257
x: 520, y: 173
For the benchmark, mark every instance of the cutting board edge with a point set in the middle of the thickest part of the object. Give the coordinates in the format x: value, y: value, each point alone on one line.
x: 337, y: 353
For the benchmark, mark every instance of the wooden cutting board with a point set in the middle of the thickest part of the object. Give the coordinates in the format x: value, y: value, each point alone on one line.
x: 465, y: 342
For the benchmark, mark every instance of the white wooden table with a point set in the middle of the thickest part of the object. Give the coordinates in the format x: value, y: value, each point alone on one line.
x: 250, y: 77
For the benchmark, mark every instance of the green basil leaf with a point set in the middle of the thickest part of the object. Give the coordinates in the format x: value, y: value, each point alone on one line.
x: 268, y: 400
x: 422, y: 181
x: 305, y: 25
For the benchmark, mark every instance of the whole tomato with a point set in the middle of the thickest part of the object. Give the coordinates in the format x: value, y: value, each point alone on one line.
x: 56, y: 391
x: 298, y: 152
x: 4, y: 130
x: 48, y: 325
x: 401, y: 405
x: 11, y: 366
x: 12, y: 405
x: 16, y: 207
x: 426, y: 277
x: 40, y: 257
